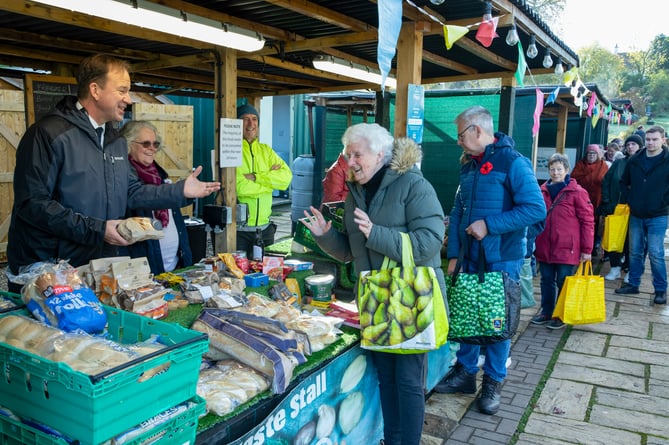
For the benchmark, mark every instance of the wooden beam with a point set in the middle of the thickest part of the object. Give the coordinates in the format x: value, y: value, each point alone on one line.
x: 323, y: 42
x: 447, y: 63
x: 162, y: 62
x: 315, y: 11
x: 524, y: 22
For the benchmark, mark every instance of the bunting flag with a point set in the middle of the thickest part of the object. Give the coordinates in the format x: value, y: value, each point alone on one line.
x: 554, y: 94
x: 487, y: 32
x: 538, y: 108
x: 522, y: 66
x: 595, y: 114
x: 453, y: 33
x: 570, y: 76
x: 390, y: 22
x: 591, y: 103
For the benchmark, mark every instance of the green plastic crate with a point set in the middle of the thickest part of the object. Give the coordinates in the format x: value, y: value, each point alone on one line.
x: 92, y: 409
x: 14, y: 298
x: 180, y: 430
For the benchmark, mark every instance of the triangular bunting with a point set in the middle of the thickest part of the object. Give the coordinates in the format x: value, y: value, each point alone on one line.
x: 453, y: 33
x: 390, y: 22
x: 486, y: 32
x: 538, y: 108
x: 522, y: 66
x: 554, y: 94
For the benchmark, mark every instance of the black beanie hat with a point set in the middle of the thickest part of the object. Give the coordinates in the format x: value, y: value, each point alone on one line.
x: 634, y: 138
x: 246, y: 109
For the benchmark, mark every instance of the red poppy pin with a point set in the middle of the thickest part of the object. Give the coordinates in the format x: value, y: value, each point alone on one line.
x: 486, y: 168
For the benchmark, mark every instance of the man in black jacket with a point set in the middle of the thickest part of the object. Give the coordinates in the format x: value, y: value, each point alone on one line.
x: 72, y: 180
x: 645, y: 184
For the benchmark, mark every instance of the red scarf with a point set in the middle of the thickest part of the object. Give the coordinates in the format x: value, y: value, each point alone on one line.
x: 150, y: 175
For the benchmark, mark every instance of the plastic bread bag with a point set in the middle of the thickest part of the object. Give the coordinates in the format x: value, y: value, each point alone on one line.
x: 56, y: 296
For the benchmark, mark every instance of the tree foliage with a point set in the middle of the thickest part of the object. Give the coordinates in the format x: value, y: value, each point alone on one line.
x: 600, y: 66
x: 550, y: 12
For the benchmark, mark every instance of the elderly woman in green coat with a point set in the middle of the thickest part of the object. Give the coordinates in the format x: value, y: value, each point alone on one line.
x: 387, y: 196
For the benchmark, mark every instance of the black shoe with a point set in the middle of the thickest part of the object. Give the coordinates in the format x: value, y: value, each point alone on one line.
x: 540, y: 319
x: 556, y: 323
x: 627, y: 289
x: 660, y: 298
x: 458, y: 380
x: 489, y: 399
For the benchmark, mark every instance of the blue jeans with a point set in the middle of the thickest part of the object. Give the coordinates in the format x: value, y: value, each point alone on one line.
x: 401, y: 385
x: 648, y: 233
x: 552, y: 279
x: 496, y: 353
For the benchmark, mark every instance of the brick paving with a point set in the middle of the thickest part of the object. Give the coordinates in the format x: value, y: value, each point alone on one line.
x: 607, y: 383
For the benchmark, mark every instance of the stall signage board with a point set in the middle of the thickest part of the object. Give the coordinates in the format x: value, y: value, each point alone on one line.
x: 416, y: 113
x: 338, y: 403
x: 230, y: 143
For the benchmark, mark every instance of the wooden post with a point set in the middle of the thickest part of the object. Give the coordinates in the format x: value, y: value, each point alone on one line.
x: 225, y: 105
x: 561, y: 134
x: 409, y: 68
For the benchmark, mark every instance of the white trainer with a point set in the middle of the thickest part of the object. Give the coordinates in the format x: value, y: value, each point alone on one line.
x: 613, y: 274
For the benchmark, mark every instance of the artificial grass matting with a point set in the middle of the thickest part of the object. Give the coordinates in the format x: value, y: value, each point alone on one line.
x: 186, y: 316
x: 349, y: 337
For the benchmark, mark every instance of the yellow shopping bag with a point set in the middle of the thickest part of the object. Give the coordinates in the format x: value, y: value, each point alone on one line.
x: 582, y: 299
x: 615, y: 229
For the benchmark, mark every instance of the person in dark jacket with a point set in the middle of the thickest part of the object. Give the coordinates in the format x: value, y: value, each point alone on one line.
x: 612, y: 196
x: 567, y: 237
x: 173, y: 250
x: 388, y: 195
x: 497, y: 200
x: 645, y: 185
x: 72, y: 181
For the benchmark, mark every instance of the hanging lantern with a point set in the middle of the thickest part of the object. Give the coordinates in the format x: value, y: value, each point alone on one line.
x: 532, y: 50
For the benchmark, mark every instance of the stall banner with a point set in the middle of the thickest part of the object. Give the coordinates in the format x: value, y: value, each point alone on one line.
x: 337, y: 404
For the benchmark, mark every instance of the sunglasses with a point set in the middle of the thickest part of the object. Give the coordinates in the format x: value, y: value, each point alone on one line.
x: 147, y: 144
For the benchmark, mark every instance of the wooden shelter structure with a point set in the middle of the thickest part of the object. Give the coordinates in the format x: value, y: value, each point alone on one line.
x: 40, y: 38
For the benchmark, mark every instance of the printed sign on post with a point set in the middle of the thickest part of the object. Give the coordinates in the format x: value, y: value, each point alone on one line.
x: 416, y: 112
x: 230, y: 143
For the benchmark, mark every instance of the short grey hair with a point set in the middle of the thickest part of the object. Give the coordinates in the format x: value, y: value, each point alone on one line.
x: 479, y: 116
x: 131, y: 130
x: 559, y: 157
x: 377, y: 139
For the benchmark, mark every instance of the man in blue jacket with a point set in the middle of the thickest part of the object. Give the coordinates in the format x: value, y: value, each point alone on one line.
x: 645, y: 185
x: 497, y: 200
x: 73, y: 182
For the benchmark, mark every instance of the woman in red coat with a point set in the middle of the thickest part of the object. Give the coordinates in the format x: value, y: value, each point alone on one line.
x: 589, y: 173
x: 334, y: 183
x: 567, y: 237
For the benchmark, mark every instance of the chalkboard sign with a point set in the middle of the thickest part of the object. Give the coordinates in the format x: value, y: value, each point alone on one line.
x: 42, y: 93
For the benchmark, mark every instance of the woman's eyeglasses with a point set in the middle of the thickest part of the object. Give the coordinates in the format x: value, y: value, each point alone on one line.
x: 148, y: 144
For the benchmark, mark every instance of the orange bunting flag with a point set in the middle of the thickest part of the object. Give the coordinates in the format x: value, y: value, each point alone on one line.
x: 453, y: 33
x: 487, y: 32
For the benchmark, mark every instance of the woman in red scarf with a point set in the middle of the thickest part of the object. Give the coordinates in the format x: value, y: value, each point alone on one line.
x: 173, y: 250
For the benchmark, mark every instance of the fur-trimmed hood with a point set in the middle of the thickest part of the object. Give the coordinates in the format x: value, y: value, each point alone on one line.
x: 406, y: 154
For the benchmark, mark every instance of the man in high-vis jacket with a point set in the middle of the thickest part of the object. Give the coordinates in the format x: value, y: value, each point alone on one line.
x: 262, y: 171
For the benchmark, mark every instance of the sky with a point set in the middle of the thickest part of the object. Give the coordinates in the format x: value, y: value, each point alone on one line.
x: 631, y: 25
